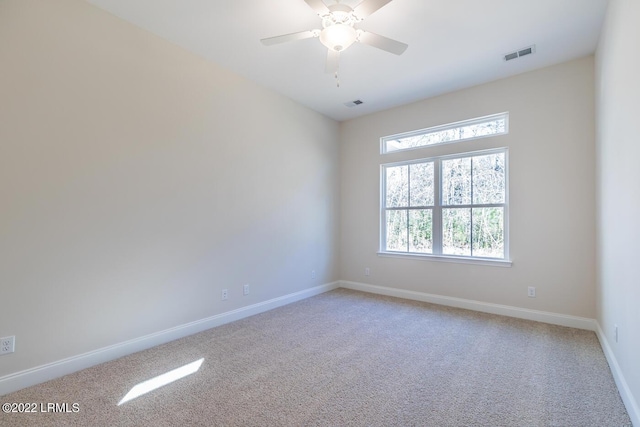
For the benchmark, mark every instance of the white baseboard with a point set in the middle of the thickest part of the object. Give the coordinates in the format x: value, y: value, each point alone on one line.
x: 504, y: 310
x: 40, y: 374
x: 625, y: 393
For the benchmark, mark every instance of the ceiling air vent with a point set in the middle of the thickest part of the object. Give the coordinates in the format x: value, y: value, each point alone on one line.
x: 520, y: 53
x: 353, y: 103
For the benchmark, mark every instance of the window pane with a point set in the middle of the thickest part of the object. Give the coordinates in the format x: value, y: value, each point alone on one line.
x: 474, y: 128
x: 488, y: 179
x: 421, y: 231
x: 488, y: 232
x: 456, y: 181
x: 397, y: 186
x: 431, y: 138
x: 456, y: 231
x: 492, y: 127
x: 397, y: 230
x: 421, y: 184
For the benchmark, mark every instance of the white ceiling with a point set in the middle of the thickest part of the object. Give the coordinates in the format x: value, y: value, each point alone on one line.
x: 452, y: 44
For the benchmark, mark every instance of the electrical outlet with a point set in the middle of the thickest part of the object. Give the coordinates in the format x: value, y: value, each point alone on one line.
x: 245, y: 289
x: 7, y: 345
x: 225, y: 294
x: 367, y: 272
x: 313, y: 274
x: 616, y: 331
x: 531, y: 292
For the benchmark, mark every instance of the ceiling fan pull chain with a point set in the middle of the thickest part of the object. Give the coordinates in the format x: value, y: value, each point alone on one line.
x: 337, y: 70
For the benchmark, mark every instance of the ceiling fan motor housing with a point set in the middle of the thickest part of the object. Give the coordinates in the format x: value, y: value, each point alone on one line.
x: 338, y: 32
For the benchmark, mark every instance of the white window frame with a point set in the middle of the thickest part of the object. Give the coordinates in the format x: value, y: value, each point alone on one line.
x: 437, y: 212
x: 446, y: 127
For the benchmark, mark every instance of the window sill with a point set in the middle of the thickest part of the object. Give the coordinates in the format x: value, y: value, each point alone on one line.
x: 448, y: 258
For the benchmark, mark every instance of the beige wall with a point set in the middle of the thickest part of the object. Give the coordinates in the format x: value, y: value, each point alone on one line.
x: 138, y: 180
x: 618, y: 148
x: 552, y: 199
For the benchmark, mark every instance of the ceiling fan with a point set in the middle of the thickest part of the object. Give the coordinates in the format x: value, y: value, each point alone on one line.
x: 339, y: 32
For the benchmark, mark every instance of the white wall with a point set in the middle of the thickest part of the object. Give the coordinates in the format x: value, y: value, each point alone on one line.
x: 137, y: 180
x: 552, y: 176
x: 618, y: 149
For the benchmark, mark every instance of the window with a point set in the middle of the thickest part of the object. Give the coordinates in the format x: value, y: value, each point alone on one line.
x: 469, y: 129
x: 451, y: 206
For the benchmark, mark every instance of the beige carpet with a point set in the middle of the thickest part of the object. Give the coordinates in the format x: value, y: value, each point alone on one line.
x: 346, y: 358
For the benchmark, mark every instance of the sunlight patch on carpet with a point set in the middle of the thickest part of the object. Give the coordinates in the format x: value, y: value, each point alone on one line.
x: 161, y: 380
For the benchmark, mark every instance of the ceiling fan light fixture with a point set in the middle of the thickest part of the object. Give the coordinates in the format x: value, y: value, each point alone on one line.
x: 338, y: 37
x: 338, y: 30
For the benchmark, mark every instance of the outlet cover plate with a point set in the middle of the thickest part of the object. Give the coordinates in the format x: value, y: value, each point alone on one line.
x: 7, y: 345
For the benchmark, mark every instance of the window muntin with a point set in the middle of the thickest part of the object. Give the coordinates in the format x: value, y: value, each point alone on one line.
x: 453, y: 206
x: 496, y: 124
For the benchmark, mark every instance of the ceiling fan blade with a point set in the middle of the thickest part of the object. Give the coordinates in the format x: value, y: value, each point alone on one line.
x: 318, y: 6
x: 333, y: 59
x: 381, y: 42
x: 367, y: 7
x: 289, y: 37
